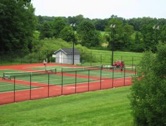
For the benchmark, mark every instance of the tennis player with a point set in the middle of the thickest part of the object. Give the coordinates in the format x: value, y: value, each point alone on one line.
x: 44, y: 63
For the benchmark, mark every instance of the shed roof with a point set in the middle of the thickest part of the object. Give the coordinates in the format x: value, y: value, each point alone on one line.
x: 68, y: 51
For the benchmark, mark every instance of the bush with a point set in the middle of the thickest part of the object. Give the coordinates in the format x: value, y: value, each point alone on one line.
x: 148, y: 92
x: 86, y: 55
x: 45, y: 48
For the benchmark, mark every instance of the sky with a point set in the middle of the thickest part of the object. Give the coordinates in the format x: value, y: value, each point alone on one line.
x: 101, y: 9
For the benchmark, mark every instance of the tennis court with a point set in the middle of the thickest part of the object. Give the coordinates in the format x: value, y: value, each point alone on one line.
x: 92, y: 71
x: 8, y: 86
x: 37, y: 81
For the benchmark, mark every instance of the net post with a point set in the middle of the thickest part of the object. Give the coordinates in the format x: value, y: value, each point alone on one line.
x: 3, y: 76
x: 55, y: 70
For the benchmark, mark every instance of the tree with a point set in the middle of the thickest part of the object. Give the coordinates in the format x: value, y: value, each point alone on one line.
x: 148, y: 92
x: 67, y: 34
x: 135, y: 34
x: 100, y: 24
x: 46, y: 30
x: 58, y: 24
x: 17, y: 25
x: 137, y: 43
x: 128, y: 31
x: 116, y: 30
x: 76, y: 19
x: 89, y: 37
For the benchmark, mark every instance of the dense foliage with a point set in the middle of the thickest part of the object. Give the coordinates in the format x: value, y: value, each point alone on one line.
x: 17, y: 24
x: 149, y: 90
x: 136, y: 34
x: 89, y: 36
x: 43, y: 49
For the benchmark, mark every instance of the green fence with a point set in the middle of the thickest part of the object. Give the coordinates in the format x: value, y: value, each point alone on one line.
x: 34, y: 86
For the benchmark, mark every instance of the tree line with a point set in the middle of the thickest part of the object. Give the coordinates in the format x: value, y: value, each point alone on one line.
x: 17, y: 23
x: 136, y: 34
x: 20, y: 29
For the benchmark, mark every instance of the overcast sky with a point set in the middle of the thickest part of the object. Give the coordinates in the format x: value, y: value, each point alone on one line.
x: 101, y: 8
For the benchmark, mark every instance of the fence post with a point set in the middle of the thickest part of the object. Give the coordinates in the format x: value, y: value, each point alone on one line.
x: 91, y: 60
x: 31, y: 60
x: 14, y: 89
x: 48, y: 84
x: 100, y: 77
x: 100, y: 59
x: 30, y: 85
x: 132, y: 63
x: 62, y: 84
x: 112, y: 77
x: 0, y: 58
x: 124, y: 75
x: 75, y: 81
x: 88, y: 78
x: 110, y: 59
x: 135, y: 70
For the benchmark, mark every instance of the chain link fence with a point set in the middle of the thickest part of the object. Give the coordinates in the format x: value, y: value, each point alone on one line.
x: 64, y: 82
x: 86, y: 58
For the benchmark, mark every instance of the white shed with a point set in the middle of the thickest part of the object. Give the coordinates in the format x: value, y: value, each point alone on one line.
x: 65, y: 56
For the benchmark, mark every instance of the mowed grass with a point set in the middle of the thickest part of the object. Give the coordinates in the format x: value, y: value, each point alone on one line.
x: 99, y: 108
x: 105, y: 57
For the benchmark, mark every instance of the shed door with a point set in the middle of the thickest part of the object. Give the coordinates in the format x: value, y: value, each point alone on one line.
x: 61, y: 58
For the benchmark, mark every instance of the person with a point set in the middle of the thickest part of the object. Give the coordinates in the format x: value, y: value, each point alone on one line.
x: 44, y: 63
x: 121, y: 65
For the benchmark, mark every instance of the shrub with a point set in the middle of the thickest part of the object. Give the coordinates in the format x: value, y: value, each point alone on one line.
x: 148, y: 92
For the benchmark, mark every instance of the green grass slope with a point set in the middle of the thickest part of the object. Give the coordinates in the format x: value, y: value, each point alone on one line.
x: 100, y: 108
x: 130, y: 58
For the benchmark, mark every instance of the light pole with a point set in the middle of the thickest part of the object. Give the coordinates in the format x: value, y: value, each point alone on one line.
x: 156, y: 27
x: 112, y: 26
x: 73, y: 25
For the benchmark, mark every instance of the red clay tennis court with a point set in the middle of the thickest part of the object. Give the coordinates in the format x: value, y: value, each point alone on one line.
x: 62, y: 82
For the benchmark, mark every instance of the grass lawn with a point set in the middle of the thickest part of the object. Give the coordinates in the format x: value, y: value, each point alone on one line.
x: 104, y: 57
x: 99, y: 108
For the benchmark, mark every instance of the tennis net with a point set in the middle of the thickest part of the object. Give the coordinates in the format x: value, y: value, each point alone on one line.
x: 9, y: 75
x: 81, y: 68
